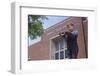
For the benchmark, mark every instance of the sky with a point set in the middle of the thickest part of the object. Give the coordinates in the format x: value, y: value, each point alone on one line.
x: 46, y: 24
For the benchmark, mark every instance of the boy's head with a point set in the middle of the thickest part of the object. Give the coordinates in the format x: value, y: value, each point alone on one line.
x: 70, y: 27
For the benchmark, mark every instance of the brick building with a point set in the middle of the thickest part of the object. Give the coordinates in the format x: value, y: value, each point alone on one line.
x: 52, y: 46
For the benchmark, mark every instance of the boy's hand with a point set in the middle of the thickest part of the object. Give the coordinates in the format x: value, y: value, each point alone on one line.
x: 62, y: 33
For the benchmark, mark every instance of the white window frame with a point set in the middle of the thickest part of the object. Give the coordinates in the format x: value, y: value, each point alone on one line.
x: 60, y: 50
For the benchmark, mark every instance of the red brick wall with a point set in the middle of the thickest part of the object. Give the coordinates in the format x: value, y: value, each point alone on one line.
x: 39, y: 51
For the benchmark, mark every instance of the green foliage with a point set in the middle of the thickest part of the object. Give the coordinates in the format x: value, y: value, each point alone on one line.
x: 35, y: 26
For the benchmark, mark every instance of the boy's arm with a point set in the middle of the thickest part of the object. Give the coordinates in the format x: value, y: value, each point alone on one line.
x: 62, y: 34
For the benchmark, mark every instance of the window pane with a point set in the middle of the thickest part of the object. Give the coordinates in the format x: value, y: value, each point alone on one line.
x: 65, y: 42
x: 62, y: 55
x: 67, y: 55
x: 61, y: 44
x: 56, y: 45
x: 56, y: 55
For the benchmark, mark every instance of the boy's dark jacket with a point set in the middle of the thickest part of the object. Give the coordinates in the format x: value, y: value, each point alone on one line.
x: 71, y: 40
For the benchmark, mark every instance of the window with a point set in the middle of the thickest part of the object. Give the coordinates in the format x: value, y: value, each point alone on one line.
x: 60, y: 51
x: 56, y: 45
x: 66, y: 53
x: 62, y: 55
x: 61, y: 43
x: 56, y: 55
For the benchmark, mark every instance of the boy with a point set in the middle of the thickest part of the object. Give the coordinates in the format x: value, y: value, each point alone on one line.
x: 71, y: 39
